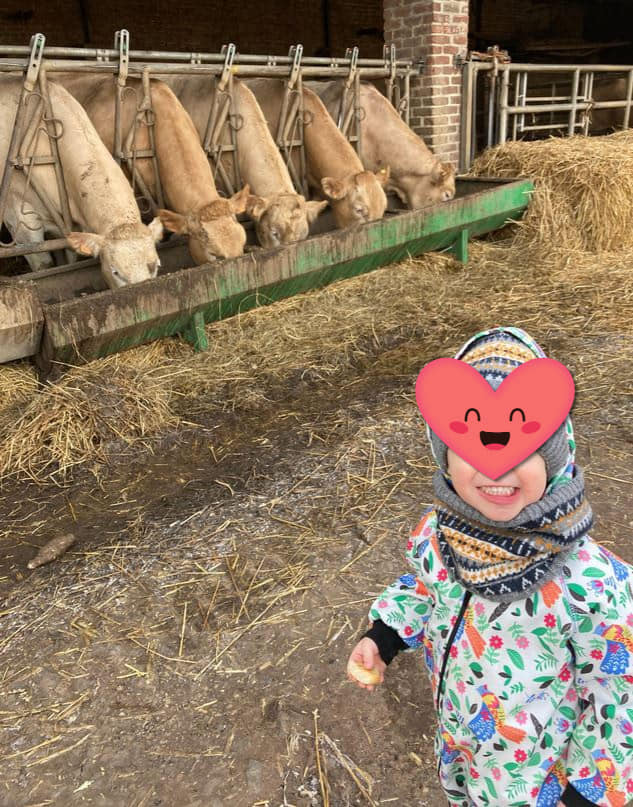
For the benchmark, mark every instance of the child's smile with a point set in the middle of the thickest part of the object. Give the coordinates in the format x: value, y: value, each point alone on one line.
x: 501, y: 499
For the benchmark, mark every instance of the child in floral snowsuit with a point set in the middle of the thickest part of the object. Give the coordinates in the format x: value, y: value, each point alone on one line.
x: 525, y: 623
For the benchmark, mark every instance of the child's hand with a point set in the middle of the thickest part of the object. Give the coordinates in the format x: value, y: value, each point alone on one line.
x: 366, y: 654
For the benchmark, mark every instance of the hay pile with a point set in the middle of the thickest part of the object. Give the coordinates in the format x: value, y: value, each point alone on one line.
x: 45, y: 433
x: 584, y: 191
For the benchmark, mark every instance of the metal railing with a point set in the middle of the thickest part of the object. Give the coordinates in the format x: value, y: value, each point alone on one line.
x: 523, y: 100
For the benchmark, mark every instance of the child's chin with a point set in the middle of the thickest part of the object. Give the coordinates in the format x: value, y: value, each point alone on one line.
x: 499, y: 512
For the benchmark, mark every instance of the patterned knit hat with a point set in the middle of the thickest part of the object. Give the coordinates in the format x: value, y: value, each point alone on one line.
x: 495, y: 353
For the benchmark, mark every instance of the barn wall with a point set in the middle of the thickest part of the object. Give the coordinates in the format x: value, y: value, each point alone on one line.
x: 436, y: 31
x: 255, y: 27
x: 564, y: 31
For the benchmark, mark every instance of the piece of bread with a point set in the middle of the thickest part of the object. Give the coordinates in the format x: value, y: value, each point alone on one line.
x: 362, y: 674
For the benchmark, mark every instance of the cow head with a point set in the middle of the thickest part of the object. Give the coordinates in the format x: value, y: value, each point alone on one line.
x: 127, y: 252
x: 357, y: 198
x: 283, y: 218
x: 421, y: 190
x: 213, y: 230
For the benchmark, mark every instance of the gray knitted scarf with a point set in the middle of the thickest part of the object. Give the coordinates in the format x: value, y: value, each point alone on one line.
x: 507, y: 560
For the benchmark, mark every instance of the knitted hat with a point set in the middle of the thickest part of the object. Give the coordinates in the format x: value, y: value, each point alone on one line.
x: 495, y: 353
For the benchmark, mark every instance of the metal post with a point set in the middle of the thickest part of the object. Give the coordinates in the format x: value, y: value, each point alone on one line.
x: 587, y: 95
x: 473, y: 139
x: 571, y: 126
x: 358, y: 113
x: 515, y: 120
x: 150, y: 122
x: 32, y: 71
x: 503, y: 106
x: 523, y: 86
x: 53, y: 135
x: 460, y: 247
x: 629, y: 93
x: 492, y: 108
x: 219, y: 114
x: 302, y: 145
x: 406, y: 98
x: 466, y: 131
x: 122, y: 43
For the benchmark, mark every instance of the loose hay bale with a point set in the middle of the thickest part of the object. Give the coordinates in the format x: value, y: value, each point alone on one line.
x: 584, y: 191
x: 69, y: 422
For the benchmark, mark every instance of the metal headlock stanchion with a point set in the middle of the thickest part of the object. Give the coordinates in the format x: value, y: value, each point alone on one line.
x: 349, y: 105
x: 223, y: 118
x: 39, y: 63
x: 292, y: 121
x: 22, y: 157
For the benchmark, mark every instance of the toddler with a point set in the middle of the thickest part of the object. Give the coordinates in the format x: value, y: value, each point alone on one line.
x: 525, y: 623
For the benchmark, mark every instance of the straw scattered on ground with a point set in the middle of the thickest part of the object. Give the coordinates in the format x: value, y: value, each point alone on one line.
x: 182, y: 639
x: 428, y: 302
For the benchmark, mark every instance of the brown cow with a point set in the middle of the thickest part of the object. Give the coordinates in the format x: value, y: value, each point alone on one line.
x: 281, y: 214
x: 333, y: 167
x: 196, y: 207
x: 417, y: 176
x: 99, y: 196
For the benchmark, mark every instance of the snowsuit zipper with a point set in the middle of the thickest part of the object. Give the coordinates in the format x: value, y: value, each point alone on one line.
x: 447, y: 650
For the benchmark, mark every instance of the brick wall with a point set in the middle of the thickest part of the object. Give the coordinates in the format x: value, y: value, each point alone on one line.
x: 437, y: 31
x: 199, y: 25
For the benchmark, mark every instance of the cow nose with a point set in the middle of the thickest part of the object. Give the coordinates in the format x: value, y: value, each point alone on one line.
x: 361, y: 211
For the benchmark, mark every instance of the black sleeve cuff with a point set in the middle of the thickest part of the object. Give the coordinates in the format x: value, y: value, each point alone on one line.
x: 387, y: 639
x: 572, y: 798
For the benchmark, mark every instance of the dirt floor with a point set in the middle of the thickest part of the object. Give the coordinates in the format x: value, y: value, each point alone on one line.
x: 190, y: 648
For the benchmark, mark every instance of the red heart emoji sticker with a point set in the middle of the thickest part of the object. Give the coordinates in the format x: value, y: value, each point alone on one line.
x: 494, y: 430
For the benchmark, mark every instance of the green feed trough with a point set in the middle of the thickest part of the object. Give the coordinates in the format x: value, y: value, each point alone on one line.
x: 52, y: 317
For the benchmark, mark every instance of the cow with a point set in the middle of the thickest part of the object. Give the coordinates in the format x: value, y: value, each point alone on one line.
x: 417, y: 176
x: 196, y: 209
x: 333, y: 167
x: 281, y: 215
x: 606, y: 120
x: 100, y: 199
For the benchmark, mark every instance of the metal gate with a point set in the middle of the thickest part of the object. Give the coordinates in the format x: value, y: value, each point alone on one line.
x: 504, y: 101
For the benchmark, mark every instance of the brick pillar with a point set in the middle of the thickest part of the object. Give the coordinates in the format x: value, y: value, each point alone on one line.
x: 436, y: 31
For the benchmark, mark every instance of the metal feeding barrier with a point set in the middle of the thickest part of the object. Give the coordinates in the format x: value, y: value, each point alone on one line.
x: 221, y: 68
x: 65, y: 315
x: 502, y: 100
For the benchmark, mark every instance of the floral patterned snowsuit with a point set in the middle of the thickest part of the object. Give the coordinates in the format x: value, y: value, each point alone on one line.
x: 534, y: 693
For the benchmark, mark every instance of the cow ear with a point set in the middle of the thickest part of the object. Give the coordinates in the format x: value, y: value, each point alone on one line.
x: 155, y: 228
x: 238, y: 200
x: 441, y: 172
x: 174, y: 222
x: 314, y: 208
x: 256, y: 206
x: 447, y: 170
x: 334, y: 188
x: 383, y: 175
x: 86, y: 243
